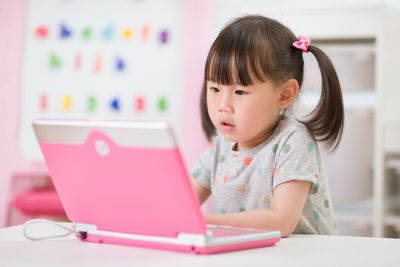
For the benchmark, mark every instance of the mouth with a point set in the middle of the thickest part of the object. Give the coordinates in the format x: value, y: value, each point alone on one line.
x: 227, y: 125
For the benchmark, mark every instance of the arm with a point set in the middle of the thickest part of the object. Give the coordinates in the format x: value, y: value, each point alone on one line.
x: 287, y: 205
x: 202, y: 192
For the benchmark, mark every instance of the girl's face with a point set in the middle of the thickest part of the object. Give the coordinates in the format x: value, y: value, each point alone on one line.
x: 244, y: 114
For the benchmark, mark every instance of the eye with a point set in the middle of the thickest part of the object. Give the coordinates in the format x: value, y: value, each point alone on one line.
x: 240, y: 92
x: 214, y: 89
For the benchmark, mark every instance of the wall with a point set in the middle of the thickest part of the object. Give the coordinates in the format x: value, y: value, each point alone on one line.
x: 12, y: 21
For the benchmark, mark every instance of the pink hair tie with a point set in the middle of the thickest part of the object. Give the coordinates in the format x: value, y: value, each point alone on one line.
x: 302, y: 43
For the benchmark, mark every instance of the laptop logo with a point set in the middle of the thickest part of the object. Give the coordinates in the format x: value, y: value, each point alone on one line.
x: 101, y: 147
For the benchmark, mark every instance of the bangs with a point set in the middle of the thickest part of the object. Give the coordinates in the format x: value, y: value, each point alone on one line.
x: 235, y: 60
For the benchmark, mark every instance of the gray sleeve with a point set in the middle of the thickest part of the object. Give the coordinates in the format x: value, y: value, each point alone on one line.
x: 297, y: 158
x: 202, y: 169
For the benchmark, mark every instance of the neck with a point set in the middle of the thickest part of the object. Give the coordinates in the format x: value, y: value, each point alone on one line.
x: 256, y: 140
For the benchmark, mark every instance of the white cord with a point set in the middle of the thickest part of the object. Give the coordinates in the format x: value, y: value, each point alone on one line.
x: 26, y: 224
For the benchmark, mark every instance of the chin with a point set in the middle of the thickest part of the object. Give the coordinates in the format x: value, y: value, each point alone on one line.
x: 230, y: 137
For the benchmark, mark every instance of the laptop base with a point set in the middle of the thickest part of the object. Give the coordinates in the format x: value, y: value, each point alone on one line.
x: 188, y: 243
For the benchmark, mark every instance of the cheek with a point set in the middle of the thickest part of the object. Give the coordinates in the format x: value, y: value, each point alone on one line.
x: 211, y: 107
x: 258, y: 114
x: 247, y: 115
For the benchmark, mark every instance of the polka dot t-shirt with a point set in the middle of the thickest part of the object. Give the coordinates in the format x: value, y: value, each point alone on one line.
x: 246, y: 180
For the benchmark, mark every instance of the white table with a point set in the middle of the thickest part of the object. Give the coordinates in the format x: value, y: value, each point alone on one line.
x: 297, y: 250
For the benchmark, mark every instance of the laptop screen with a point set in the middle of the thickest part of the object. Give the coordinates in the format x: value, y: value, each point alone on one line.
x: 121, y: 176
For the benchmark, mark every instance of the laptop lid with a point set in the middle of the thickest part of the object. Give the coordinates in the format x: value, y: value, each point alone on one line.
x: 121, y: 176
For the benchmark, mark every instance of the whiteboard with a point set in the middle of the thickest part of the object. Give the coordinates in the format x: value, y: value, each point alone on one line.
x: 101, y: 59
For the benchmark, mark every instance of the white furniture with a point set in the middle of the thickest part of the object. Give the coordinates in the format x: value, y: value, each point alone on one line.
x: 297, y: 250
x: 372, y: 28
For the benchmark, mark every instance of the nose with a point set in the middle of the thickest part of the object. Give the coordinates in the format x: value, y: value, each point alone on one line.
x: 225, y: 104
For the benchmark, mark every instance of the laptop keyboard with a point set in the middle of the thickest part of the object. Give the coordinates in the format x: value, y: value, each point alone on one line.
x: 225, y: 231
x: 217, y: 233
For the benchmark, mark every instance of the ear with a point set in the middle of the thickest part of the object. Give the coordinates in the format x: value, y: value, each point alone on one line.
x: 288, y: 93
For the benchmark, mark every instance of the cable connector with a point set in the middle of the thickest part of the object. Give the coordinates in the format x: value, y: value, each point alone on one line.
x: 83, y: 235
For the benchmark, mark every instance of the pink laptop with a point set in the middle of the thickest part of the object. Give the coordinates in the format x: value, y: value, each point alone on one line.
x: 125, y: 182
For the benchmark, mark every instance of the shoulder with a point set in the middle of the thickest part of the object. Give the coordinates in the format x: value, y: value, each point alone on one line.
x: 290, y: 129
x: 296, y: 154
x: 292, y: 135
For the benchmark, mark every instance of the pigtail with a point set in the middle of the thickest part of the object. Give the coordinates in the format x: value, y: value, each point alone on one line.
x: 326, y: 121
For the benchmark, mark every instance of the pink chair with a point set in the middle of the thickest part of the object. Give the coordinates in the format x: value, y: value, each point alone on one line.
x: 33, y: 196
x: 37, y: 203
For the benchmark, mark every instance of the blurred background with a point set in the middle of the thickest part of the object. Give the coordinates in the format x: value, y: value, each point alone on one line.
x: 144, y: 60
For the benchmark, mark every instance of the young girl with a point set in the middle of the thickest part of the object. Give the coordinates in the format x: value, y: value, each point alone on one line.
x: 263, y: 167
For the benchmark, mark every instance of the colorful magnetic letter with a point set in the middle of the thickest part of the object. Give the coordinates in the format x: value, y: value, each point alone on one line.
x: 162, y: 104
x: 87, y: 33
x: 54, y: 61
x: 108, y: 32
x: 91, y: 103
x: 115, y: 105
x: 78, y: 61
x: 128, y: 33
x: 65, y: 31
x: 43, y: 102
x: 67, y: 102
x: 120, y: 64
x: 145, y: 33
x: 140, y: 104
x: 42, y: 32
x: 164, y: 36
x: 98, y: 63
